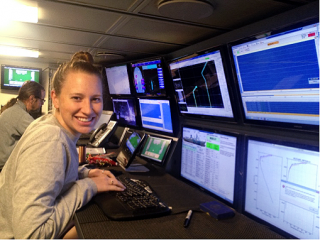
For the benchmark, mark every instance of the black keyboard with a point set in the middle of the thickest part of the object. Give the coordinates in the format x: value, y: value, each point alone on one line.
x: 136, y: 202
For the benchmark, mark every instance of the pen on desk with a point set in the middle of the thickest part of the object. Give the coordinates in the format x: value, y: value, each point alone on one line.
x: 187, y: 219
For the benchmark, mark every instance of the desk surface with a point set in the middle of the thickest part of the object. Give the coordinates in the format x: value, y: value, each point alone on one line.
x: 92, y: 223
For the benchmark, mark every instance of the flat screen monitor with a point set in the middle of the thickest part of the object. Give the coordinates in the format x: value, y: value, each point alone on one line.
x: 208, y: 160
x: 118, y: 80
x: 104, y: 118
x: 155, y: 149
x: 12, y: 77
x: 201, y: 86
x: 148, y: 78
x: 156, y: 114
x: 125, y: 111
x: 282, y: 187
x: 278, y: 77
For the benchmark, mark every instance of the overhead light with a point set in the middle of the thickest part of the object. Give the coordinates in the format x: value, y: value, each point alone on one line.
x: 185, y: 9
x: 109, y: 55
x: 17, y: 11
x: 18, y: 52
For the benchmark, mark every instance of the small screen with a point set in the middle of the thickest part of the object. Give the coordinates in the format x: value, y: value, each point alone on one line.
x: 125, y: 111
x: 156, y: 114
x: 155, y: 148
x: 13, y: 77
x: 148, y: 78
x: 133, y: 142
x: 282, y: 187
x: 278, y: 76
x: 208, y: 159
x: 201, y: 87
x: 118, y: 80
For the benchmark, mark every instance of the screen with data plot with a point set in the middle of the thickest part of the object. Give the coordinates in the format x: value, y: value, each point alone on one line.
x: 282, y: 186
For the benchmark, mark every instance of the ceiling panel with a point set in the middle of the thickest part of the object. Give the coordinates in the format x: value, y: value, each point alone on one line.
x: 129, y: 29
x: 164, y: 32
x: 76, y: 17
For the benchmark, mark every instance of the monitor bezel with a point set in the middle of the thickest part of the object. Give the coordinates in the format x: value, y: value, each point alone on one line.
x: 155, y: 130
x: 273, y: 140
x: 151, y: 160
x: 227, y: 72
x: 135, y: 106
x: 129, y: 79
x: 272, y: 124
x: 236, y: 204
x: 163, y: 92
x: 21, y: 67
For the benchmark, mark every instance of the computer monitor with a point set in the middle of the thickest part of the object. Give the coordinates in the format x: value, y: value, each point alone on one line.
x: 156, y: 114
x: 278, y: 77
x: 118, y: 80
x: 282, y: 187
x: 125, y: 111
x: 208, y: 160
x: 201, y: 85
x: 12, y: 77
x: 148, y: 78
x: 104, y: 118
x: 155, y: 149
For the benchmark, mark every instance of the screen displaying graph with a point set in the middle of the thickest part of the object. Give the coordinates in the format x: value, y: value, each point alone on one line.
x: 282, y: 187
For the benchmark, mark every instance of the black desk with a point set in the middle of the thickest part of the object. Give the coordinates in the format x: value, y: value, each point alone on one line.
x: 92, y: 223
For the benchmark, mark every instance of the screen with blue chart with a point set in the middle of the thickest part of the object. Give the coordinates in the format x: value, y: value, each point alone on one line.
x: 156, y: 114
x: 278, y: 76
x: 148, y: 78
x: 282, y: 187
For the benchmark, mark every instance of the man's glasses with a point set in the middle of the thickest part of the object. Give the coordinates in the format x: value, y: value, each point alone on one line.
x: 42, y: 100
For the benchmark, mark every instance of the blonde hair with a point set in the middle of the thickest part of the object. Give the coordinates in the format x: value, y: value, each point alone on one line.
x: 80, y: 61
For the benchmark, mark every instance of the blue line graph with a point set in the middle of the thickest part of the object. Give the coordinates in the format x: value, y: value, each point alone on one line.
x: 302, y: 173
x: 268, y: 187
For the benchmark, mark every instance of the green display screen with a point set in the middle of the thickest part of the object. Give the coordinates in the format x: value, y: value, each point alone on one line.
x: 14, y: 77
x: 155, y: 148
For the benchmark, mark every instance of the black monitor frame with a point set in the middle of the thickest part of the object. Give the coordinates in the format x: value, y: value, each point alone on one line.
x: 3, y: 86
x: 228, y: 74
x: 129, y: 79
x: 161, y: 92
x: 173, y: 133
x: 151, y: 160
x: 238, y: 178
x: 302, y: 144
x: 135, y: 106
x: 269, y: 124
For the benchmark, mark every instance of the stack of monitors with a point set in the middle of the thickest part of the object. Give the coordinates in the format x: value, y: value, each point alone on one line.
x: 201, y: 86
x: 208, y: 160
x: 282, y: 186
x: 156, y: 115
x: 278, y: 77
x: 118, y: 80
x: 155, y: 149
x: 125, y: 111
x: 148, y: 78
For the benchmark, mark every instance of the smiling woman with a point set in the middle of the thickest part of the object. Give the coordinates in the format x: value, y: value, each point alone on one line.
x: 42, y: 185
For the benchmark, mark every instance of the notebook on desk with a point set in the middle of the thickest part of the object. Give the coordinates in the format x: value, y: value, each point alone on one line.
x: 136, y: 202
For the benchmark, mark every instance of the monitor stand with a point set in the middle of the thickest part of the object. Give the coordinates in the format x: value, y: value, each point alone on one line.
x: 137, y: 167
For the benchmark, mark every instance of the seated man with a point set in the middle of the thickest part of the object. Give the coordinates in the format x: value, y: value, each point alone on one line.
x: 15, y: 117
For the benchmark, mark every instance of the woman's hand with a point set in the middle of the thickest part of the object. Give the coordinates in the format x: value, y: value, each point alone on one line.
x: 105, y: 180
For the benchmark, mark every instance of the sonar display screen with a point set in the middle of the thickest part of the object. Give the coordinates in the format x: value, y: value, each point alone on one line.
x: 201, y: 87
